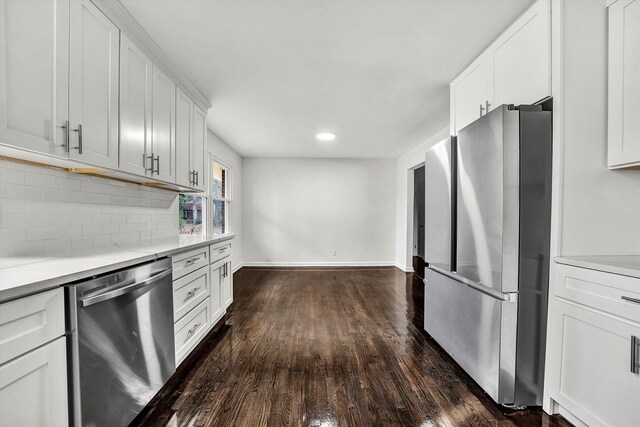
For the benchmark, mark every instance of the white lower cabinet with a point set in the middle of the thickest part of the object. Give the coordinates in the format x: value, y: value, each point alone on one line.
x: 33, y: 388
x: 33, y: 364
x: 594, y: 377
x: 190, y: 330
x: 593, y: 347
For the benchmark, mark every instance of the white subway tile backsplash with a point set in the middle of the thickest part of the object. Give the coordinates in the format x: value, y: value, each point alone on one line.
x: 42, y: 233
x: 46, y: 211
x: 23, y: 192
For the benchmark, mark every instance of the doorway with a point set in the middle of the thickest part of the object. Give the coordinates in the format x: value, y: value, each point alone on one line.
x: 418, y: 220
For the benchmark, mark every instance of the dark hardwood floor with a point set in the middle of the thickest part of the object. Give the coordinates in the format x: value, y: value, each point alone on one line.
x: 341, y: 347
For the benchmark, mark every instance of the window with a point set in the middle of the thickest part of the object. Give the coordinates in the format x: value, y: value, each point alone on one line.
x: 191, y: 213
x: 220, y: 200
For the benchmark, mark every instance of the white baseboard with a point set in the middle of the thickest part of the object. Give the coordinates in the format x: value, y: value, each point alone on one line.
x: 321, y: 264
x: 405, y: 268
x: 237, y: 267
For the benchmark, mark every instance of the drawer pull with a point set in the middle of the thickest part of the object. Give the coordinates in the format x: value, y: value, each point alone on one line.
x: 635, y: 300
x: 635, y: 354
x: 191, y: 261
x: 194, y: 329
x: 192, y: 293
x: 223, y: 249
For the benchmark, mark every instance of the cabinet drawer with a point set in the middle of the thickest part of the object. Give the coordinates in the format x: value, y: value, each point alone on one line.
x: 29, y: 322
x: 191, y: 328
x: 186, y: 262
x: 220, y: 251
x: 595, y: 379
x: 612, y: 293
x: 189, y: 291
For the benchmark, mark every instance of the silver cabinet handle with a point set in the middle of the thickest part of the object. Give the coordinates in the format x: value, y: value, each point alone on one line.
x: 197, y: 177
x: 481, y: 110
x: 635, y: 354
x: 65, y: 126
x: 157, y: 161
x: 488, y: 105
x: 634, y: 300
x: 194, y: 329
x: 191, y: 177
x: 192, y: 293
x: 191, y: 261
x: 223, y: 249
x: 79, y: 147
x: 146, y: 169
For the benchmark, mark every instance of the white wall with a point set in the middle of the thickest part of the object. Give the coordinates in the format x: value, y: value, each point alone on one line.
x: 404, y: 203
x: 45, y: 211
x: 295, y: 211
x: 600, y: 207
x: 222, y: 153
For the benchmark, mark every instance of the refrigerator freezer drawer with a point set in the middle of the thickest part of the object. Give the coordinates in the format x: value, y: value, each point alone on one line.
x: 477, y: 330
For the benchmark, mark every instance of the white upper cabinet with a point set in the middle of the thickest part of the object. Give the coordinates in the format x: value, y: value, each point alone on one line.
x: 470, y: 95
x: 93, y: 86
x: 184, y: 138
x: 199, y: 144
x: 521, y: 59
x: 135, y: 109
x: 34, y: 61
x: 163, y: 148
x: 624, y: 84
x: 515, y: 69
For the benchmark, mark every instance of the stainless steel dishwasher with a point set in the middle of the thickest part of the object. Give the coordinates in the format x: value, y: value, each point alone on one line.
x: 120, y: 342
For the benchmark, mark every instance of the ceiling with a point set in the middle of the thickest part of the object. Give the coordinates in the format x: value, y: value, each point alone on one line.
x: 376, y: 73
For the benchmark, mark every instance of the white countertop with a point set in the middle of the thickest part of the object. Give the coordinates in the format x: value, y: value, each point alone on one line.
x: 24, y: 275
x: 625, y: 265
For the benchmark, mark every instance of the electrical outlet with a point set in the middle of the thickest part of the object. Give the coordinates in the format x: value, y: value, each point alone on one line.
x: 333, y: 252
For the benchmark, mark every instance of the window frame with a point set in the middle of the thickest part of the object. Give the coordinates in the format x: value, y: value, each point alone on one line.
x: 227, y: 200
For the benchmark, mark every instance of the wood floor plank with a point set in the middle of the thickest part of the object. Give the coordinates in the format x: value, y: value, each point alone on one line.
x: 326, y: 347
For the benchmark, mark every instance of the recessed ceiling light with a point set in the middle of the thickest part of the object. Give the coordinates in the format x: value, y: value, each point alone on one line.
x: 325, y: 136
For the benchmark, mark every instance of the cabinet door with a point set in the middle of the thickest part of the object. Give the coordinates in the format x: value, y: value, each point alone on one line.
x: 199, y: 145
x: 34, y: 75
x: 184, y: 138
x: 470, y: 94
x: 93, y: 86
x: 33, y: 388
x: 593, y: 379
x: 135, y: 108
x: 217, y: 273
x: 163, y: 126
x: 227, y: 285
x: 522, y: 59
x: 624, y: 84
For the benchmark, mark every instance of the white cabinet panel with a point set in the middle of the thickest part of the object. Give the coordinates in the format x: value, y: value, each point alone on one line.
x: 199, y: 145
x: 190, y: 330
x: 34, y: 61
x: 624, y: 84
x: 522, y: 62
x: 135, y: 108
x: 184, y: 138
x: 163, y: 127
x: 470, y: 94
x: 33, y: 388
x: 217, y: 283
x: 186, y: 262
x: 189, y: 291
x: 93, y: 86
x: 29, y: 322
x: 227, y: 285
x: 595, y: 382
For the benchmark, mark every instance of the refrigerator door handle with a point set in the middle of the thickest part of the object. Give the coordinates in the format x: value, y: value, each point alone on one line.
x: 474, y: 285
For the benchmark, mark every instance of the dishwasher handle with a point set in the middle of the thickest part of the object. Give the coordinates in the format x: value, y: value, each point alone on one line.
x: 94, y: 299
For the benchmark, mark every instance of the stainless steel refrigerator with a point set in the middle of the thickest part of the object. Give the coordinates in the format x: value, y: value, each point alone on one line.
x: 487, y: 231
